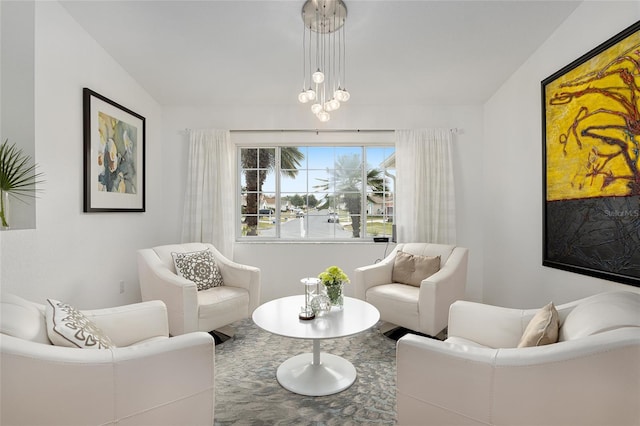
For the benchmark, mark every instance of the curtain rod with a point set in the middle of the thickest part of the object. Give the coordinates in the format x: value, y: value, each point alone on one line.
x: 453, y: 130
x: 312, y: 130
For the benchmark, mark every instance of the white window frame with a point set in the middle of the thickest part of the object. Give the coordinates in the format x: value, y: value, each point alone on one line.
x: 333, y: 138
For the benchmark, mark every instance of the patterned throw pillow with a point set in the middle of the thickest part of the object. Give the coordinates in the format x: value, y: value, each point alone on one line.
x: 69, y: 327
x: 199, y: 267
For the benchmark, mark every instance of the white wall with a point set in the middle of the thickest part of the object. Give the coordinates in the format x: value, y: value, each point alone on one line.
x: 16, y: 95
x: 74, y: 256
x: 512, y: 215
x: 283, y: 264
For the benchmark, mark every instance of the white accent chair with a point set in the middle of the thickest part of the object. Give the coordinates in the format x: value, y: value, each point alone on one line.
x: 147, y: 379
x: 190, y: 309
x: 478, y: 376
x: 424, y: 309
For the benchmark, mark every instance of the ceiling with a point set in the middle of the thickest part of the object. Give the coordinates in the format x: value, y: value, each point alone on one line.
x: 212, y: 53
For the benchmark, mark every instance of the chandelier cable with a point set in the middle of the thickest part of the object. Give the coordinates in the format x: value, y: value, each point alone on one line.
x: 333, y: 52
x: 339, y: 54
x: 304, y: 59
x: 317, y: 41
x: 344, y: 54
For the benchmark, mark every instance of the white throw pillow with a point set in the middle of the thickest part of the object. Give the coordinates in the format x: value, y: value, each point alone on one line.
x: 199, y: 267
x: 69, y: 327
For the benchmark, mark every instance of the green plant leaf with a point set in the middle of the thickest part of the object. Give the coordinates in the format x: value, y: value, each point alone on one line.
x: 18, y: 175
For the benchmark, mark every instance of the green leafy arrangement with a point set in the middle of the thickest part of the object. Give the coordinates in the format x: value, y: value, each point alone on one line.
x: 332, y: 276
x: 18, y: 176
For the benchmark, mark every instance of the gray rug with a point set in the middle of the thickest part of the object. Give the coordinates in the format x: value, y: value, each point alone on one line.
x: 248, y: 393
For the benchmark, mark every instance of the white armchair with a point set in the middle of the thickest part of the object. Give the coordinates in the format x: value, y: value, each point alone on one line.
x: 478, y: 376
x: 192, y: 310
x: 147, y: 379
x: 424, y: 309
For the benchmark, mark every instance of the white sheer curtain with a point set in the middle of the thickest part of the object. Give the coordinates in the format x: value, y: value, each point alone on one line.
x: 209, y: 202
x: 425, y: 194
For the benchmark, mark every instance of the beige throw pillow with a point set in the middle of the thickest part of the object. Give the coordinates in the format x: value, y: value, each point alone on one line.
x: 412, y: 268
x: 542, y: 329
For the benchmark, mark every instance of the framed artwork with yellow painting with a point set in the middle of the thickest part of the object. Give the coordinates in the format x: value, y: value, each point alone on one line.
x: 591, y: 155
x: 114, y: 156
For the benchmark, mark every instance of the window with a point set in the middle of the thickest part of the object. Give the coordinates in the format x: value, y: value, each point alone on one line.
x: 316, y: 193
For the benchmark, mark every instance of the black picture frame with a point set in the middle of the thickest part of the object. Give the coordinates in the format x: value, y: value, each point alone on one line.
x: 591, y: 162
x: 114, y: 156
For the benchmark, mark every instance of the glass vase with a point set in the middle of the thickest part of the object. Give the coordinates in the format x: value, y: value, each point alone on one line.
x: 4, y: 210
x: 334, y: 292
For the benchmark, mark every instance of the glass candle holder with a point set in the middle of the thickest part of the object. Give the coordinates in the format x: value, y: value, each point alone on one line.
x: 310, y: 289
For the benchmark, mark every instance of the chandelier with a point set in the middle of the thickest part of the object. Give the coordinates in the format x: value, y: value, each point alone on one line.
x: 323, y: 56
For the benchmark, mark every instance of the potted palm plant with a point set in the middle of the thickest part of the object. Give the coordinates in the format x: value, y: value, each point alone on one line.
x: 18, y: 177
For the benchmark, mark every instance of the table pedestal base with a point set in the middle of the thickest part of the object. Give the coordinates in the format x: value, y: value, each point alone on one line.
x: 316, y: 373
x: 301, y: 375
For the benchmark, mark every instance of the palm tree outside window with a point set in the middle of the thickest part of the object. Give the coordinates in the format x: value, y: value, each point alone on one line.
x: 316, y: 193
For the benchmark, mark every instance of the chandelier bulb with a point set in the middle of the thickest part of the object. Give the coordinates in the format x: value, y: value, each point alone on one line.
x: 318, y: 77
x: 331, y: 105
x: 341, y: 95
x: 316, y: 108
x: 311, y: 94
x: 303, y: 97
x: 323, y: 116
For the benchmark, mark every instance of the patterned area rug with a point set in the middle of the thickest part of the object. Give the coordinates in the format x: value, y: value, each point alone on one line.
x: 248, y: 393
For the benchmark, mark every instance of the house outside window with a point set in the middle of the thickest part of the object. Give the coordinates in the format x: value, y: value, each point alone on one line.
x: 316, y: 193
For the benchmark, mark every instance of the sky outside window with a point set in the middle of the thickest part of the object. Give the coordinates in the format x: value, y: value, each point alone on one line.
x: 317, y: 160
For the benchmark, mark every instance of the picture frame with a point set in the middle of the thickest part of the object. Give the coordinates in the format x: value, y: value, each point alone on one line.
x: 591, y: 162
x: 114, y: 156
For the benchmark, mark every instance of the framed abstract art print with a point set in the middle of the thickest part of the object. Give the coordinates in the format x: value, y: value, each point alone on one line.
x: 114, y: 150
x: 591, y: 156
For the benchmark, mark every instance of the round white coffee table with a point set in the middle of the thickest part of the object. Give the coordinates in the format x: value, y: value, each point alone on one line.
x: 317, y: 373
